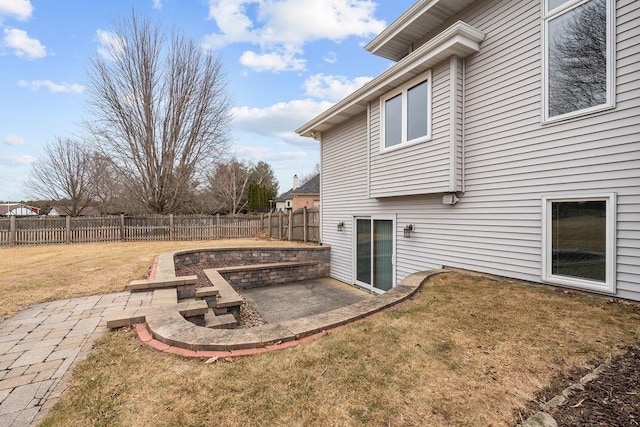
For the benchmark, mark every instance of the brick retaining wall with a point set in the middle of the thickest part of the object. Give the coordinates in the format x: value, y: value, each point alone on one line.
x: 314, y: 264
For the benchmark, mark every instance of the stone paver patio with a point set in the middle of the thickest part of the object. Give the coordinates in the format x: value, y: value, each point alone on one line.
x: 40, y: 345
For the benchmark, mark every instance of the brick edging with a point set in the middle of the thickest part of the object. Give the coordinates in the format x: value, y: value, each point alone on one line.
x: 145, y: 336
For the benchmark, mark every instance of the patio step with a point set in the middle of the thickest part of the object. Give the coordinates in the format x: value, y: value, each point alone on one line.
x: 222, y: 321
x: 227, y: 297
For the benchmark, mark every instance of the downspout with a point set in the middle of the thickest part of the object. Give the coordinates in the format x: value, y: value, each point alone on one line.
x: 464, y: 119
x: 368, y: 138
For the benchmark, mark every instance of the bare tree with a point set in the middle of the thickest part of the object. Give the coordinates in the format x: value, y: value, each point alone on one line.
x: 314, y: 172
x: 578, y: 59
x: 228, y: 186
x: 64, y: 173
x: 162, y: 112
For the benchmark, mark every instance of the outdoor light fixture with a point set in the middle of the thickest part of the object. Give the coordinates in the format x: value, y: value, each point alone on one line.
x: 407, y: 230
x: 341, y: 226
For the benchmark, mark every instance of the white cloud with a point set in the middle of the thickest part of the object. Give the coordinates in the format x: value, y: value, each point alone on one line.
x: 13, y: 140
x: 23, y: 45
x: 286, y: 25
x: 111, y: 46
x: 24, y: 159
x: 332, y: 87
x: 157, y: 4
x: 274, y: 62
x: 53, y: 87
x: 18, y: 9
x: 269, y: 155
x: 278, y: 120
x: 331, y: 58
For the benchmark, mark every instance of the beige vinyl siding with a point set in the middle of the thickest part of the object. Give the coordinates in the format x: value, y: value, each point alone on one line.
x: 510, y: 159
x: 421, y: 168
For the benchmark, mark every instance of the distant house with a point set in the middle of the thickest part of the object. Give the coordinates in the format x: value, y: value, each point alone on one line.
x: 65, y: 210
x: 18, y: 209
x: 504, y: 139
x: 306, y: 195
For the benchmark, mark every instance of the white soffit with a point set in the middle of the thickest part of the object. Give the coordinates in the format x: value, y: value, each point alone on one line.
x: 395, y: 41
x: 460, y: 39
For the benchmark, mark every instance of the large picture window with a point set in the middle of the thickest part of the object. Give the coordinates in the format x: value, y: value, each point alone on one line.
x: 579, y: 242
x: 406, y: 113
x: 578, y: 57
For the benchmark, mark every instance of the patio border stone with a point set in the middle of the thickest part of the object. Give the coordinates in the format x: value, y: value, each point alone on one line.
x: 171, y: 333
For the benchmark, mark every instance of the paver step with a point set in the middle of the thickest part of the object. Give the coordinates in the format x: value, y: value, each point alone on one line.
x: 228, y: 297
x: 138, y: 315
x: 207, y: 291
x: 168, y: 282
x: 221, y: 321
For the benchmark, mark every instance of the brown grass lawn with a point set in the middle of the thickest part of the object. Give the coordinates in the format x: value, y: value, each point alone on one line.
x: 466, y: 351
x: 32, y: 274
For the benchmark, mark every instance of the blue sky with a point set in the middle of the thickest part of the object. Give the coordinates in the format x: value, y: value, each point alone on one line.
x: 287, y: 61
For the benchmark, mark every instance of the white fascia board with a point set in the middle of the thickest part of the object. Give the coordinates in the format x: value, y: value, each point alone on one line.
x: 460, y: 39
x: 414, y: 12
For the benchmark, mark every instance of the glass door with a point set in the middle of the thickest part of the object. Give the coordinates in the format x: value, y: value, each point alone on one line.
x: 374, y: 253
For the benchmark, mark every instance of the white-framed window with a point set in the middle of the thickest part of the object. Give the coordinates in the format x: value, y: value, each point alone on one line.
x: 579, y: 241
x: 578, y: 57
x: 406, y: 114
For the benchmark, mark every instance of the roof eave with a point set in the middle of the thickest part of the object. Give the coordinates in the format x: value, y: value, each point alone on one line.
x: 460, y: 39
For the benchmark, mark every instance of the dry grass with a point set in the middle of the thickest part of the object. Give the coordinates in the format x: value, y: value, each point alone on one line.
x: 466, y: 351
x: 33, y: 274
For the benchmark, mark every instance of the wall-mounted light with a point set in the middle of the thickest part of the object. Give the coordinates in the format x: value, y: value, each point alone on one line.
x: 341, y: 226
x: 407, y: 230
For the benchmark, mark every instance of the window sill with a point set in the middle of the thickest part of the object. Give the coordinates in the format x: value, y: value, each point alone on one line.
x: 578, y: 115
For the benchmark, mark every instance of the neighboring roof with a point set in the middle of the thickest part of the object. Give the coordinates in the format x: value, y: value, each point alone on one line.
x: 5, y: 208
x: 65, y: 210
x: 311, y: 187
x: 460, y: 39
x: 396, y: 41
x: 285, y: 196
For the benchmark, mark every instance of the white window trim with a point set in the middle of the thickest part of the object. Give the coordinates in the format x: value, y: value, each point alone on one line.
x: 354, y: 246
x: 424, y: 77
x: 611, y: 67
x: 609, y: 286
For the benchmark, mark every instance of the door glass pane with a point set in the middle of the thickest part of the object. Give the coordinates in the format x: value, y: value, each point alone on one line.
x: 579, y: 245
x: 383, y: 254
x: 393, y: 121
x: 417, y: 111
x: 577, y: 70
x: 363, y: 251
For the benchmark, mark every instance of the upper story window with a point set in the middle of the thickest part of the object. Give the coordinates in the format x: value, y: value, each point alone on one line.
x: 578, y: 57
x: 406, y: 113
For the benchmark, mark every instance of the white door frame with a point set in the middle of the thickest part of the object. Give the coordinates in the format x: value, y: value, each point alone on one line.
x: 354, y: 273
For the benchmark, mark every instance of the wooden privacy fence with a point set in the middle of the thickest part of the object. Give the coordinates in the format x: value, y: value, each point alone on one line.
x: 302, y: 226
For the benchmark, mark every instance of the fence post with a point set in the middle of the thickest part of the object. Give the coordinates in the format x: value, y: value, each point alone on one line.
x: 269, y: 225
x: 171, y: 232
x: 280, y: 225
x: 12, y: 231
x: 290, y: 225
x: 68, y: 227
x: 122, y: 227
x: 217, y: 226
x: 305, y: 223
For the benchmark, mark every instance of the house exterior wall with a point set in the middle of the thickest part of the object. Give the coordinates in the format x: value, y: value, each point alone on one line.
x: 511, y: 160
x: 308, y: 202
x: 421, y: 168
